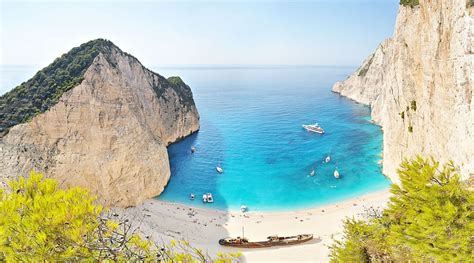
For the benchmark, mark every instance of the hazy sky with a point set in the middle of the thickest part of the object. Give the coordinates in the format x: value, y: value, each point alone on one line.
x: 324, y: 32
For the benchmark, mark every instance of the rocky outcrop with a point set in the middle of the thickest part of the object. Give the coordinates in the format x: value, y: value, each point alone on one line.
x: 419, y: 85
x: 108, y: 134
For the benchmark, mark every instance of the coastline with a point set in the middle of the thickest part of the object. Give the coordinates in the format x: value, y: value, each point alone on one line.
x: 202, y: 227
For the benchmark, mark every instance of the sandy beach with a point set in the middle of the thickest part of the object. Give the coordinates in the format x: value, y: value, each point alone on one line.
x: 165, y: 221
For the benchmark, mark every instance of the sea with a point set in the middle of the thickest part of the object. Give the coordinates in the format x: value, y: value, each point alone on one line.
x: 251, y: 126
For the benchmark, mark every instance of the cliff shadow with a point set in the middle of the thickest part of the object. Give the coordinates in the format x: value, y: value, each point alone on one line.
x: 175, y: 215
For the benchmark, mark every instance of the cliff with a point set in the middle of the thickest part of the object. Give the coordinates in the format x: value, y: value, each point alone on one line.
x: 419, y: 85
x: 107, y: 131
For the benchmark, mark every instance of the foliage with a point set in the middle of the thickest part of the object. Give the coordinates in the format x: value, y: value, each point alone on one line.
x: 430, y: 218
x: 177, y: 81
x: 410, y: 3
x: 410, y: 128
x: 43, y: 91
x: 402, y: 115
x: 46, y: 87
x: 413, y: 105
x: 469, y: 3
x: 40, y: 222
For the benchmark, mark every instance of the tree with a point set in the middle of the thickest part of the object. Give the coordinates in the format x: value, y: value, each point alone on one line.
x: 430, y: 217
x: 40, y: 222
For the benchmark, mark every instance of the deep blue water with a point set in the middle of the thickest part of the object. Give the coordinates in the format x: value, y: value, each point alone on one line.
x: 251, y: 125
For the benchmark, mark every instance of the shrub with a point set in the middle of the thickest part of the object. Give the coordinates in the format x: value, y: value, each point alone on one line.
x: 469, y: 3
x: 430, y: 218
x: 39, y: 222
x: 410, y: 3
x: 44, y: 89
x: 410, y: 128
x: 413, y: 105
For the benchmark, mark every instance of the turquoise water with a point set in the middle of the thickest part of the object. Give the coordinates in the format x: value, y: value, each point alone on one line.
x: 251, y: 121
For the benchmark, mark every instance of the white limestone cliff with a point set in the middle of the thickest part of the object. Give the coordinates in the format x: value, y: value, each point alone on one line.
x: 108, y: 134
x: 419, y: 85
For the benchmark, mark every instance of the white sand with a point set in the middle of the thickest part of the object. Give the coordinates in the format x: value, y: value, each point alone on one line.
x: 204, y: 227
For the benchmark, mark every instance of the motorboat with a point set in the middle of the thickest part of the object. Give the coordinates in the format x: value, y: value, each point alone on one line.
x: 312, y: 172
x: 244, y: 208
x: 328, y: 159
x: 204, y: 198
x: 193, y: 149
x: 191, y: 196
x: 271, y: 241
x: 336, y: 174
x: 219, y: 169
x: 210, y: 199
x: 313, y: 128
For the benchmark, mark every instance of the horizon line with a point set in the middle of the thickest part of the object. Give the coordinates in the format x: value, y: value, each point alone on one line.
x: 210, y: 65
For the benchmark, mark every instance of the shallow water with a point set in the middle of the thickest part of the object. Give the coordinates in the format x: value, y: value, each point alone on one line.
x: 251, y: 121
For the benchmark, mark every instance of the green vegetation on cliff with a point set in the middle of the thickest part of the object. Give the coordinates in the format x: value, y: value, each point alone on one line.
x: 41, y: 223
x: 430, y: 218
x: 410, y: 3
x: 45, y: 88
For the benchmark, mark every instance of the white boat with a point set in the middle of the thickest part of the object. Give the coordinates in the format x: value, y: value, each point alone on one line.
x: 244, y: 208
x: 204, y: 198
x: 209, y: 198
x: 219, y: 169
x: 312, y: 172
x: 193, y: 149
x: 336, y: 174
x: 313, y: 128
x: 191, y: 196
x: 328, y: 159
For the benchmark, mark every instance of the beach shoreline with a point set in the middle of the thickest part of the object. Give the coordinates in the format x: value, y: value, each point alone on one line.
x: 202, y: 227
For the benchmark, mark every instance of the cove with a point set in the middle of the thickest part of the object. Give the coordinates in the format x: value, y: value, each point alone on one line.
x: 251, y: 121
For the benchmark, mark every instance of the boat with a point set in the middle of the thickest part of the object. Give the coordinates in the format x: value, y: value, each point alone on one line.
x: 244, y: 208
x: 219, y: 169
x: 271, y: 241
x: 191, y: 196
x: 204, y: 198
x: 313, y: 128
x: 209, y: 198
x: 328, y: 159
x: 193, y: 149
x: 312, y: 172
x: 336, y: 174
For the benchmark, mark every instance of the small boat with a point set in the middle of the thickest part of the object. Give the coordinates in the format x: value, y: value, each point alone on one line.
x: 244, y: 208
x: 313, y: 128
x: 204, y: 198
x: 270, y: 242
x: 191, y: 196
x: 193, y: 149
x: 312, y: 172
x: 219, y: 169
x: 328, y: 159
x: 209, y: 198
x: 336, y: 174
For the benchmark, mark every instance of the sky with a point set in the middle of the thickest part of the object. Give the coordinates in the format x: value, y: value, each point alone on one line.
x: 261, y: 32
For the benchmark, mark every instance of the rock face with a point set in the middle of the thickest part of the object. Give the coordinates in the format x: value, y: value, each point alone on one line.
x: 419, y: 85
x: 108, y: 134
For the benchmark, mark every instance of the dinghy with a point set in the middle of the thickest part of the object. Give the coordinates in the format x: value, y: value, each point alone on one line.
x: 328, y: 159
x: 219, y: 169
x: 336, y: 174
x: 207, y: 198
x: 312, y: 172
